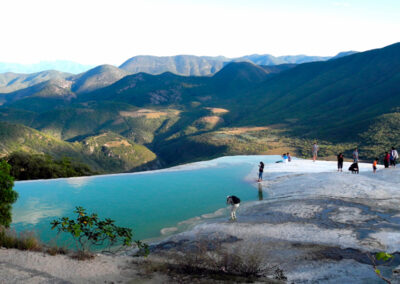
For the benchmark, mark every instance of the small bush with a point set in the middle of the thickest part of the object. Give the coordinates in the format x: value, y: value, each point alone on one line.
x: 89, y: 231
x: 82, y: 255
x: 22, y: 241
x: 54, y: 250
x: 211, y: 260
x: 28, y: 241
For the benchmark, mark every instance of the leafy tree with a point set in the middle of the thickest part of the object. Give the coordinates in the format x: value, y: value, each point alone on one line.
x: 7, y: 195
x: 88, y: 231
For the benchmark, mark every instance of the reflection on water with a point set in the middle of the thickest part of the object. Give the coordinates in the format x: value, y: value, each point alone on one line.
x: 260, y: 192
x: 34, y: 211
x: 78, y: 182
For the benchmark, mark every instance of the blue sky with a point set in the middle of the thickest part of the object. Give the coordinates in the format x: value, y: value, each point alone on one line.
x: 102, y: 31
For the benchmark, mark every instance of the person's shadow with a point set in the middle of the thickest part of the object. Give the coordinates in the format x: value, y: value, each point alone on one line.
x: 260, y: 192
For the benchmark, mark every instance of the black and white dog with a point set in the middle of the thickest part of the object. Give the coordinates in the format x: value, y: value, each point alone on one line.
x: 234, y: 201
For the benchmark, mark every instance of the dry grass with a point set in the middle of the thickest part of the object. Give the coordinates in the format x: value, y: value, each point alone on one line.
x: 215, y: 110
x: 209, y: 261
x: 148, y: 113
x: 241, y: 130
x: 27, y: 241
x: 100, y: 135
x: 82, y: 255
x: 211, y: 120
x: 22, y: 241
x: 117, y: 143
x: 54, y: 250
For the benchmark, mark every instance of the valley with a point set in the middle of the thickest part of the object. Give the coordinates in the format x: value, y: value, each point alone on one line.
x: 115, y: 121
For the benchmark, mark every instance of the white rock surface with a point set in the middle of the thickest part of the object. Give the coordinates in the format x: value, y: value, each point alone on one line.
x: 314, y: 207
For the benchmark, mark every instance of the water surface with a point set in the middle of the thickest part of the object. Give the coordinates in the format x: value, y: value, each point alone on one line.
x: 147, y: 202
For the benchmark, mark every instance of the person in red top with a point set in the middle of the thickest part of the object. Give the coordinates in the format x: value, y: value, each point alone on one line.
x: 386, y: 160
x: 374, y: 165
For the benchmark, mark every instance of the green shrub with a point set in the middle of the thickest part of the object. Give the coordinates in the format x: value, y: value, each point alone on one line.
x: 89, y: 231
x: 7, y: 195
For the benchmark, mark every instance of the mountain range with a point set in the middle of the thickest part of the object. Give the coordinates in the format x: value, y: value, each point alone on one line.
x: 188, y: 65
x: 244, y: 108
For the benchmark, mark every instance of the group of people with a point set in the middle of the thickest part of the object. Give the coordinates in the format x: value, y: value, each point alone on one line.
x: 354, y: 167
x: 286, y: 157
x: 389, y: 160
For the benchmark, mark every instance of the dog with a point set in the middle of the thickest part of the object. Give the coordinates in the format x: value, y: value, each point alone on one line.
x: 354, y: 168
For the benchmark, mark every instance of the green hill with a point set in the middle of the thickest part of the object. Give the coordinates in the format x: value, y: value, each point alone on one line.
x: 336, y: 99
x: 106, y: 152
x: 382, y: 134
x: 16, y: 137
x: 117, y: 153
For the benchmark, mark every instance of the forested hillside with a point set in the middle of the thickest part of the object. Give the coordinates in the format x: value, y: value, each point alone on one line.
x: 244, y: 108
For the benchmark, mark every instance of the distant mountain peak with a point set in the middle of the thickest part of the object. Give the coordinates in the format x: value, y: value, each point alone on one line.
x: 59, y: 65
x: 343, y: 54
x: 240, y: 68
x: 98, y: 77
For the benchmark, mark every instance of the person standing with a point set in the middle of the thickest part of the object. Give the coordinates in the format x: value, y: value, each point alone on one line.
x: 315, y: 149
x: 234, y: 201
x: 340, y: 162
x: 386, y: 160
x: 260, y: 171
x: 355, y: 155
x: 393, y: 157
x: 374, y: 165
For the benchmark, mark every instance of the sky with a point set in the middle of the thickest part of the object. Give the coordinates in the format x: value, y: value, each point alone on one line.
x: 111, y: 31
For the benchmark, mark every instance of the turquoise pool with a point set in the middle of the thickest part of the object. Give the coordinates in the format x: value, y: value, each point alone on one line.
x: 147, y: 202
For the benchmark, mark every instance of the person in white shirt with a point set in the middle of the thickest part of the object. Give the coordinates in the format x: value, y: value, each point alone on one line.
x: 355, y: 155
x: 315, y: 149
x: 393, y: 157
